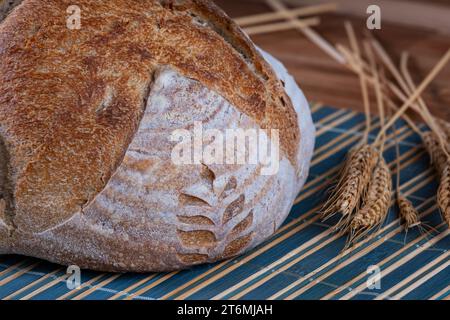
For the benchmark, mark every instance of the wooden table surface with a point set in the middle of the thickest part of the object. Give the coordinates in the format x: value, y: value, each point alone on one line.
x: 324, y: 80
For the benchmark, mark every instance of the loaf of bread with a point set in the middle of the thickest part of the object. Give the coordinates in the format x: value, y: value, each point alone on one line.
x: 87, y: 175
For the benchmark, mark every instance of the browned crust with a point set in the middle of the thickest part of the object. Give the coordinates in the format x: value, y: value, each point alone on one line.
x: 71, y: 100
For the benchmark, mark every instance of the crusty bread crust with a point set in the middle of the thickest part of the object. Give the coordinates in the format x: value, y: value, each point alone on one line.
x: 71, y: 100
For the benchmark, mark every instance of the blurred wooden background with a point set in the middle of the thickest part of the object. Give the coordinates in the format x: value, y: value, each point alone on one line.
x: 419, y: 27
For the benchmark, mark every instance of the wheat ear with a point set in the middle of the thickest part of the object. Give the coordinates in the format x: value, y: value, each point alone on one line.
x: 376, y: 203
x: 354, y: 180
x: 411, y: 217
x: 444, y: 193
x: 408, y: 212
x: 434, y: 149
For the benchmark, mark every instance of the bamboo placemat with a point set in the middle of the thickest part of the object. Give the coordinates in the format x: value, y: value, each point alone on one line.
x: 303, y: 260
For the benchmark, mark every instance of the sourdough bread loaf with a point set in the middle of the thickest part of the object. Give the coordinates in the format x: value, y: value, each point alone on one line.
x: 86, y: 117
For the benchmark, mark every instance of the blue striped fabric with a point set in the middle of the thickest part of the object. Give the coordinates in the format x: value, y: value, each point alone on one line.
x: 303, y: 260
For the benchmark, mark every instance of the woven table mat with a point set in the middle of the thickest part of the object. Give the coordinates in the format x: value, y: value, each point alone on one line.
x: 303, y: 260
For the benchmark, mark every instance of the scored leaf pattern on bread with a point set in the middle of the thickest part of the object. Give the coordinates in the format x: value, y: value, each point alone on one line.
x: 210, y: 237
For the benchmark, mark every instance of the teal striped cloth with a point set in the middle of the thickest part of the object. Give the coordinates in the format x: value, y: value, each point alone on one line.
x: 304, y: 259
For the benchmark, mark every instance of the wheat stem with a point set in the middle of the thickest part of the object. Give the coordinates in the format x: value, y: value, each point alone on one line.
x: 428, y: 116
x: 297, y: 12
x: 279, y: 26
x: 352, y: 66
x: 377, y: 88
x: 308, y: 32
x: 362, y: 79
x: 413, y: 97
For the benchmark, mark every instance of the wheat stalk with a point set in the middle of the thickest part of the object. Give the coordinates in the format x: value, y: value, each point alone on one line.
x: 307, y: 31
x: 377, y: 88
x: 376, y: 203
x: 352, y: 65
x: 362, y: 79
x: 416, y: 94
x: 297, y: 12
x: 280, y: 26
x: 426, y: 115
x: 356, y: 180
x: 436, y: 143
